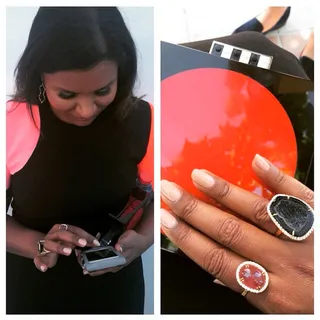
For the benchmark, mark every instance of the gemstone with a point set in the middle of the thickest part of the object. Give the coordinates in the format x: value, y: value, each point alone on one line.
x: 293, y: 217
x: 252, y: 277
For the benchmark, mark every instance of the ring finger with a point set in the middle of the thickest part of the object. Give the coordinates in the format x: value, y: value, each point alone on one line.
x: 247, y: 204
x: 241, y: 237
x: 217, y: 260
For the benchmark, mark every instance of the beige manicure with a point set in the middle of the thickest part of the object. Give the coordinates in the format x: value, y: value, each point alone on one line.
x: 167, y: 219
x: 202, y: 178
x: 216, y: 281
x: 67, y: 250
x: 261, y: 162
x: 170, y: 191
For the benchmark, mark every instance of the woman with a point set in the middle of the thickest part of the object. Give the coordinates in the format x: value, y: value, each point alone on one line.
x: 219, y: 242
x: 78, y: 144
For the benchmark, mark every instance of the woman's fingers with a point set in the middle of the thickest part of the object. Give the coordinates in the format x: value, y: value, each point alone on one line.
x: 40, y: 265
x: 224, y: 228
x: 56, y: 247
x: 68, y: 237
x: 217, y: 260
x: 247, y: 204
x: 90, y: 240
x: 279, y: 182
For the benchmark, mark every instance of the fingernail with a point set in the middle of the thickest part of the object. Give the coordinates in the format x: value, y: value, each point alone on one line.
x: 82, y: 242
x: 43, y: 268
x: 85, y: 272
x: 120, y: 249
x: 261, y: 162
x: 216, y: 281
x: 67, y: 250
x: 170, y: 191
x: 167, y: 219
x: 96, y: 243
x: 202, y: 178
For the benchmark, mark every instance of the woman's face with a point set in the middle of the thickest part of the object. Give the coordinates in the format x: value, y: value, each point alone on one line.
x: 78, y: 97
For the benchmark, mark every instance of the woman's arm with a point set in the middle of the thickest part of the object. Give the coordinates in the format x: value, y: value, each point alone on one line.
x: 145, y: 226
x: 21, y: 240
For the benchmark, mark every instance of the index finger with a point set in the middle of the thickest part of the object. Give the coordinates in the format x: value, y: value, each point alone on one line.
x: 91, y: 240
x: 279, y: 182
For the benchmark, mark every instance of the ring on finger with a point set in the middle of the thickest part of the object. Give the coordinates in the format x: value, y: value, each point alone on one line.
x: 252, y: 277
x: 244, y: 292
x: 63, y: 227
x: 292, y: 216
x: 278, y: 233
x: 41, y: 249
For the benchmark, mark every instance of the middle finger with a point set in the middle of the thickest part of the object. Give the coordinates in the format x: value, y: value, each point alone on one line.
x: 240, y: 236
x: 246, y: 203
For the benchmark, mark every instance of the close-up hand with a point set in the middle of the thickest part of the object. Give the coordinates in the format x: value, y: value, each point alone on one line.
x: 62, y: 239
x: 131, y: 245
x: 219, y: 241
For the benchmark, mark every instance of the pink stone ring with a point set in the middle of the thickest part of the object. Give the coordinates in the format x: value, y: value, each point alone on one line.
x: 252, y: 277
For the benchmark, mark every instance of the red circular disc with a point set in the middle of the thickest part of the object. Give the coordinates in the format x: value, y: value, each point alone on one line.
x: 217, y: 120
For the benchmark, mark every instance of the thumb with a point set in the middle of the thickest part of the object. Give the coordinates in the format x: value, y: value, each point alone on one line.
x: 125, y: 241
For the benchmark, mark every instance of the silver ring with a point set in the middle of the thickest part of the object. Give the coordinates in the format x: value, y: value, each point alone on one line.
x: 63, y: 227
x: 292, y: 216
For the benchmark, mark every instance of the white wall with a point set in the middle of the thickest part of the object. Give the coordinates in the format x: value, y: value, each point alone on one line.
x: 140, y: 23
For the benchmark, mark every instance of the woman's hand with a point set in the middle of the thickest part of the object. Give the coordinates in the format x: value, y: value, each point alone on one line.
x: 219, y: 241
x: 59, y: 241
x: 131, y: 245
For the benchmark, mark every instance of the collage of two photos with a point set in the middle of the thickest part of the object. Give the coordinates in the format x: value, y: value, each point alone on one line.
x: 236, y: 115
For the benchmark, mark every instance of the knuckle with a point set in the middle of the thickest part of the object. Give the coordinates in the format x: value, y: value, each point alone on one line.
x: 215, y: 261
x: 259, y: 210
x: 280, y: 178
x: 190, y: 208
x: 225, y: 190
x: 306, y: 194
x: 305, y: 270
x: 229, y: 233
x: 183, y: 236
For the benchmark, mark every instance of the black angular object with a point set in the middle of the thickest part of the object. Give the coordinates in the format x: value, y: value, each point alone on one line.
x: 292, y: 216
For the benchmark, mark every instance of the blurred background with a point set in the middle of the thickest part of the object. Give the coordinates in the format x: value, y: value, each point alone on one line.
x: 187, y: 23
x: 140, y: 23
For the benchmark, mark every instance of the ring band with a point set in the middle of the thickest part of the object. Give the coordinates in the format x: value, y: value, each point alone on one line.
x: 41, y: 249
x: 244, y: 292
x: 292, y: 216
x: 278, y: 233
x: 63, y: 227
x: 252, y: 277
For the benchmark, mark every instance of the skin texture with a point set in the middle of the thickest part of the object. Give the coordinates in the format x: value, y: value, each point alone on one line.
x: 218, y: 241
x: 86, y: 90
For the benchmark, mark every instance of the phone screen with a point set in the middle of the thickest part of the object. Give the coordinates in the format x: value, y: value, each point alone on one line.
x: 101, y: 254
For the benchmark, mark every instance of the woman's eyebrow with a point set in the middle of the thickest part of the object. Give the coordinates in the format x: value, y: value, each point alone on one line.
x: 68, y: 91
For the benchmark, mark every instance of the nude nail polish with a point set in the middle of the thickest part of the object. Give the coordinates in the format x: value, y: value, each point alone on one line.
x: 67, y: 250
x: 261, y: 162
x: 202, y: 178
x: 170, y: 191
x: 82, y: 242
x: 167, y: 219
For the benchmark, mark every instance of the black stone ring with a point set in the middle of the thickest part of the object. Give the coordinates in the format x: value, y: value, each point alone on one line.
x: 294, y: 217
